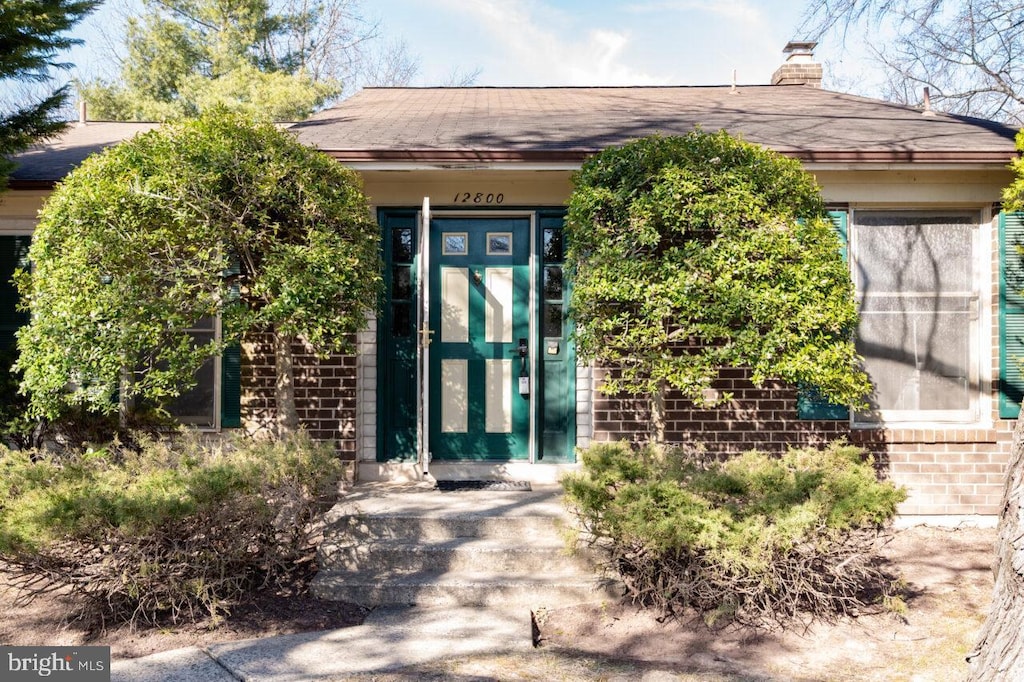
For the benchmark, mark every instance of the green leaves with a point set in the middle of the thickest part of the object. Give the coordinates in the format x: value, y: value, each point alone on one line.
x: 143, y: 241
x: 763, y: 538
x: 1013, y: 195
x: 698, y: 252
x: 187, y: 58
x: 32, y: 34
x: 136, y: 529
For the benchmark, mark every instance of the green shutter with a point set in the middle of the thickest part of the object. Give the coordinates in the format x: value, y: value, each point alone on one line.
x: 1011, y: 314
x: 231, y: 370
x: 13, y: 254
x: 231, y: 387
x: 809, y: 403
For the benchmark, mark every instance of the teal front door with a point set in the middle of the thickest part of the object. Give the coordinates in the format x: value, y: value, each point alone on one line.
x: 481, y: 355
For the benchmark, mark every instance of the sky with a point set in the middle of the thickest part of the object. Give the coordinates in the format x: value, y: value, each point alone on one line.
x: 564, y: 42
x: 595, y: 42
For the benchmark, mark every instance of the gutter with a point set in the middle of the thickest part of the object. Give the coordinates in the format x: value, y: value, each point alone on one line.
x: 572, y: 159
x: 575, y: 157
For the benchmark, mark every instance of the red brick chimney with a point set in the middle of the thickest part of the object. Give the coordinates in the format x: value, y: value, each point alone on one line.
x: 799, y: 67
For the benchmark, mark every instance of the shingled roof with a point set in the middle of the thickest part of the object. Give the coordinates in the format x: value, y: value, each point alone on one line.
x: 46, y: 162
x: 565, y: 125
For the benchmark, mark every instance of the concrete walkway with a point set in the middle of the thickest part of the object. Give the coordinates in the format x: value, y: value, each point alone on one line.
x: 389, y: 640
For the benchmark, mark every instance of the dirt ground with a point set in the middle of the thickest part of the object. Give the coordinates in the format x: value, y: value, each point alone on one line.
x: 948, y: 573
x: 949, y: 589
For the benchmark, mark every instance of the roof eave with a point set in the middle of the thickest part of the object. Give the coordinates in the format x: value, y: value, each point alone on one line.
x: 17, y: 184
x: 576, y: 156
x: 562, y: 159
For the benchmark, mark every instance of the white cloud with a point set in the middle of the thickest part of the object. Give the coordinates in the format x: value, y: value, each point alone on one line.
x: 596, y: 42
x: 532, y: 43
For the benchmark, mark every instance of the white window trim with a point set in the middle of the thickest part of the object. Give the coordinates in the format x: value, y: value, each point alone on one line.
x: 982, y: 347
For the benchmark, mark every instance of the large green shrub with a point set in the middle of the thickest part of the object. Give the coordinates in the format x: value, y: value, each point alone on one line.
x: 219, y: 217
x: 757, y: 539
x: 174, y: 528
x: 716, y: 245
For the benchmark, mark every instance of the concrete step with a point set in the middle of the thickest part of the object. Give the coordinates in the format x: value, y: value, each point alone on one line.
x: 458, y: 554
x: 441, y: 527
x: 401, y: 545
x: 418, y: 500
x: 428, y: 589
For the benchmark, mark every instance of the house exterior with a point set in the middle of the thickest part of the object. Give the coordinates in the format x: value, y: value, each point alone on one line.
x: 470, y: 370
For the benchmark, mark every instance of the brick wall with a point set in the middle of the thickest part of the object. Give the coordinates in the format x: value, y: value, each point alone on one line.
x: 325, y: 393
x: 951, y: 471
x: 755, y: 418
x: 946, y: 471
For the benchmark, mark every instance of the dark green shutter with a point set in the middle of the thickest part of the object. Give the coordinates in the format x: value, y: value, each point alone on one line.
x: 1011, y: 313
x: 809, y: 403
x: 231, y: 372
x: 13, y: 254
x: 231, y: 387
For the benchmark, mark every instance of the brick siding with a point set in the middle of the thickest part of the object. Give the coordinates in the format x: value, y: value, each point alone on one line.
x: 947, y: 471
x: 325, y: 393
x: 754, y: 418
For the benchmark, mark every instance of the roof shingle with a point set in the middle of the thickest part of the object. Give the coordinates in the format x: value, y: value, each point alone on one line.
x: 568, y: 124
x: 804, y: 121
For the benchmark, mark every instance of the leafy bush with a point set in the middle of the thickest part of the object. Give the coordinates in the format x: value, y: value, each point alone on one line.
x: 71, y: 428
x: 708, y: 243
x: 759, y: 540
x: 174, y: 528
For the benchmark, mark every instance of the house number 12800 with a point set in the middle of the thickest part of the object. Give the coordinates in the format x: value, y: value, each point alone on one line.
x: 478, y: 198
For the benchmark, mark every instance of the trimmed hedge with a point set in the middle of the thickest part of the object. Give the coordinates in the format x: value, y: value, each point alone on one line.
x: 759, y: 540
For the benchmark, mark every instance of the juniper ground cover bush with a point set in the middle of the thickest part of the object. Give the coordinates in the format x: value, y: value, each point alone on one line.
x: 760, y: 540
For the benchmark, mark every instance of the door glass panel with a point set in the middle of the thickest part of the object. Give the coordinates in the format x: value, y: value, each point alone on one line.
x: 401, y: 320
x: 498, y: 389
x: 499, y: 243
x: 553, y: 245
x: 498, y: 306
x: 456, y: 243
x: 454, y: 305
x: 553, y: 320
x: 401, y: 285
x: 553, y: 282
x: 401, y: 245
x: 454, y: 396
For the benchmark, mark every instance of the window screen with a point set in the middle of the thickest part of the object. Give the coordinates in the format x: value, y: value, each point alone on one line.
x: 198, y: 406
x: 914, y: 274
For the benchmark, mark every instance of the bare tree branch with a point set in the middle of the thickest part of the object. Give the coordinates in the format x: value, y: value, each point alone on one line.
x: 968, y: 53
x: 461, y: 78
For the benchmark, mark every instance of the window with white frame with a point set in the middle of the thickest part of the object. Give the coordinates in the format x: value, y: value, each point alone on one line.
x: 916, y: 286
